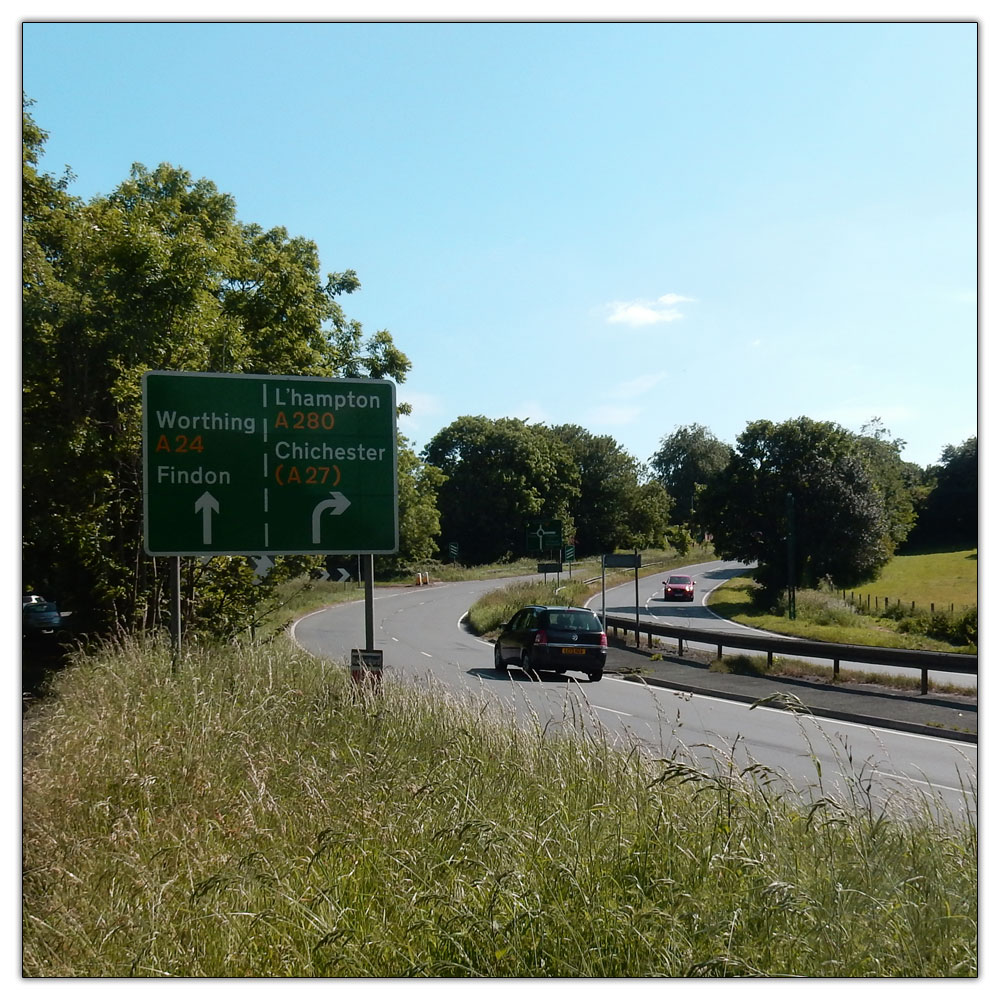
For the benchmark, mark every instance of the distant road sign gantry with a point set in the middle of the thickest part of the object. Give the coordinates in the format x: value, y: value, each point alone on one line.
x: 268, y: 465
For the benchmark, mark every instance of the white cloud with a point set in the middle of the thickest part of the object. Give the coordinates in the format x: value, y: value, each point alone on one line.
x: 646, y: 312
x: 637, y: 386
x: 611, y: 415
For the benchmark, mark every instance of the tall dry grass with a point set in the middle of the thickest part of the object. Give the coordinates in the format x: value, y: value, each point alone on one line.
x: 253, y: 814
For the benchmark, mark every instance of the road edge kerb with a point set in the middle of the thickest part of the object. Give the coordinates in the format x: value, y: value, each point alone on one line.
x: 862, y: 720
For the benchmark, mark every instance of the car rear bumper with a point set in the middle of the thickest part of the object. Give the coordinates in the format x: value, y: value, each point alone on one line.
x: 582, y: 658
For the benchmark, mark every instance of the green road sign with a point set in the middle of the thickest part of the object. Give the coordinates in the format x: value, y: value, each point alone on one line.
x: 268, y: 464
x: 622, y: 560
x: 541, y: 535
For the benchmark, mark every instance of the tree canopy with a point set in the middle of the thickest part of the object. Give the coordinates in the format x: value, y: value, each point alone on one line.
x: 842, y: 527
x: 159, y: 274
x: 687, y: 461
x: 503, y: 473
x: 950, y: 517
x: 500, y: 473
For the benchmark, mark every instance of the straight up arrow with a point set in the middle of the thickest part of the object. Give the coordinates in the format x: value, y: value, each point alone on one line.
x: 206, y: 505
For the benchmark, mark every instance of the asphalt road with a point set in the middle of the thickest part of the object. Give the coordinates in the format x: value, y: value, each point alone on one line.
x: 421, y: 632
x: 620, y: 600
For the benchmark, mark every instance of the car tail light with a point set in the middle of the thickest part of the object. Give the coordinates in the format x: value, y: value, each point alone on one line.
x: 604, y: 639
x: 541, y: 639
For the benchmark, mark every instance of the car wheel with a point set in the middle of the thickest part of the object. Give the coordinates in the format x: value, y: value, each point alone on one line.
x: 527, y: 668
x: 595, y: 675
x: 498, y: 663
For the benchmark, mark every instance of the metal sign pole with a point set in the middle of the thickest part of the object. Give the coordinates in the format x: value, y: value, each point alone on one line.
x: 636, y: 598
x: 368, y: 565
x: 604, y: 610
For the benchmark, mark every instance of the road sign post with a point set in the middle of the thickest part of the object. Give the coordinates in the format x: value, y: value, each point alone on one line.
x: 268, y: 465
x: 622, y: 560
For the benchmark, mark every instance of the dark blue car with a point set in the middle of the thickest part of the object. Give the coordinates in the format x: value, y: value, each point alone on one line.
x: 552, y: 638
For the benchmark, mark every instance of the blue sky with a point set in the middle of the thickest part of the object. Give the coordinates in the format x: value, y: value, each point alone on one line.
x: 629, y: 227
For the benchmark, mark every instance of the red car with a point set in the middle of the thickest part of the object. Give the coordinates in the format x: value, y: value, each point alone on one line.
x: 678, y: 588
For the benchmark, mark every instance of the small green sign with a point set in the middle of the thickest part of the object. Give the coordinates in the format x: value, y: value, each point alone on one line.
x: 541, y: 535
x: 622, y: 560
x: 268, y: 464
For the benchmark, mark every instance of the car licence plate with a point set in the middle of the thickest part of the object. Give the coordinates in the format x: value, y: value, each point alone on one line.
x: 573, y: 649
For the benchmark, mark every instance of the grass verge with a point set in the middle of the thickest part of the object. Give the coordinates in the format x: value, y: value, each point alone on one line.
x: 252, y: 814
x: 498, y: 606
x: 819, y: 615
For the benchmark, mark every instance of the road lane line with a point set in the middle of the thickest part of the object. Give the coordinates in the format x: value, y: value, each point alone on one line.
x: 920, y: 781
x: 601, y: 708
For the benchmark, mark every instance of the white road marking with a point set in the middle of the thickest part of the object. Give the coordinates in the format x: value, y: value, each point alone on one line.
x: 614, y: 710
x: 920, y: 781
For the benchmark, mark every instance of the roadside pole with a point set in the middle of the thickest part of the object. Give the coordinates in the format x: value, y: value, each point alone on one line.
x: 604, y: 610
x: 368, y: 569
x: 637, y: 598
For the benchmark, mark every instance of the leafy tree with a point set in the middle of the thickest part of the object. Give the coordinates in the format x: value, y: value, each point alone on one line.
x: 500, y: 474
x: 841, y: 529
x: 615, y: 509
x: 157, y: 275
x: 647, y: 515
x: 687, y: 460
x: 950, y: 517
x: 419, y: 519
x: 900, y: 483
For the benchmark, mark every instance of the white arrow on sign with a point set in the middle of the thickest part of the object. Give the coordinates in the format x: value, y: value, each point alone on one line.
x: 344, y: 575
x: 206, y: 505
x: 337, y: 504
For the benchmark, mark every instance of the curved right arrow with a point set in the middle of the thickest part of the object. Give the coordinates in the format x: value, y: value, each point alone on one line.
x: 337, y: 503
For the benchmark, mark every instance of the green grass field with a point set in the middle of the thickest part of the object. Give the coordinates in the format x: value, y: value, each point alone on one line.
x: 942, y: 579
x: 252, y: 814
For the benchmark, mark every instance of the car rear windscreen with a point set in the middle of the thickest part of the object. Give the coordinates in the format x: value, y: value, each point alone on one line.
x: 581, y: 621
